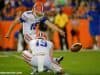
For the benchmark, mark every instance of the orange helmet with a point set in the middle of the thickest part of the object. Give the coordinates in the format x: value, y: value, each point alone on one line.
x: 38, y: 8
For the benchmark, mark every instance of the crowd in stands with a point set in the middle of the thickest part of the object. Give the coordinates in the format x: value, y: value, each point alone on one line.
x: 59, y: 12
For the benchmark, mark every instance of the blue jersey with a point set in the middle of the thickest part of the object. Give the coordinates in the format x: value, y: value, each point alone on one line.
x: 94, y: 23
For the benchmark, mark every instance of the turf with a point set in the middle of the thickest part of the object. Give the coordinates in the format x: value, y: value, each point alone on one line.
x: 80, y: 63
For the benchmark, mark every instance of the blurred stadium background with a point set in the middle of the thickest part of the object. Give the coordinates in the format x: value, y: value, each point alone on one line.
x: 79, y: 19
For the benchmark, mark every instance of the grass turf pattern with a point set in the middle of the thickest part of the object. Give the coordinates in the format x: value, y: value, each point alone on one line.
x: 80, y: 63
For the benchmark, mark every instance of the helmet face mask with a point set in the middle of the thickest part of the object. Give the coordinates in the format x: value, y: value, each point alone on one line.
x: 41, y: 35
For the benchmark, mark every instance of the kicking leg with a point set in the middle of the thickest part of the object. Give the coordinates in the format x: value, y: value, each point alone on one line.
x: 27, y: 56
x: 20, y: 43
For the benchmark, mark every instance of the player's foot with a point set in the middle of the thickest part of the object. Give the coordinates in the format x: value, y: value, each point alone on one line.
x: 34, y: 73
x: 59, y: 59
x: 60, y: 73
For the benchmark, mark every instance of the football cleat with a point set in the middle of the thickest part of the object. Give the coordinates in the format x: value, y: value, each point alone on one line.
x: 59, y: 59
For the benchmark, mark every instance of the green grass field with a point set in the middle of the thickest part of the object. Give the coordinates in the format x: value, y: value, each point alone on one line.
x: 81, y: 63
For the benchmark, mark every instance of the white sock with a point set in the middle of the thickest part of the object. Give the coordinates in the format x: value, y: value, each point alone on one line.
x: 20, y: 43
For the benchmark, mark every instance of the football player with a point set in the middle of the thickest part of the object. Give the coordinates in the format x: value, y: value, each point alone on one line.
x: 30, y: 20
x: 42, y: 55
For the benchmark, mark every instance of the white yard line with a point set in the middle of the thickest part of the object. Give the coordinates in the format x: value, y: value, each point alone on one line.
x: 16, y: 56
x: 4, y: 56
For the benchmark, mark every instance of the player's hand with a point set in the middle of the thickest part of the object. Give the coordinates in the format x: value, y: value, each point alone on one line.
x: 7, y: 36
x: 62, y: 33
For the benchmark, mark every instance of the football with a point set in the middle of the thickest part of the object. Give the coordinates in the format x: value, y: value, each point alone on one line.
x: 76, y: 47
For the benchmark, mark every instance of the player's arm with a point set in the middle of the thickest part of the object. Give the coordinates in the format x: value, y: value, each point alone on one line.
x: 51, y: 52
x: 54, y: 27
x: 16, y: 21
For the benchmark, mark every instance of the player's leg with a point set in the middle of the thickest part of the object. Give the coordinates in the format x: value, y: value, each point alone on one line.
x: 57, y: 69
x: 19, y: 37
x: 34, y: 65
x: 27, y: 56
x: 20, y: 46
x: 40, y: 63
x: 57, y: 60
x: 30, y: 60
x: 54, y: 66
